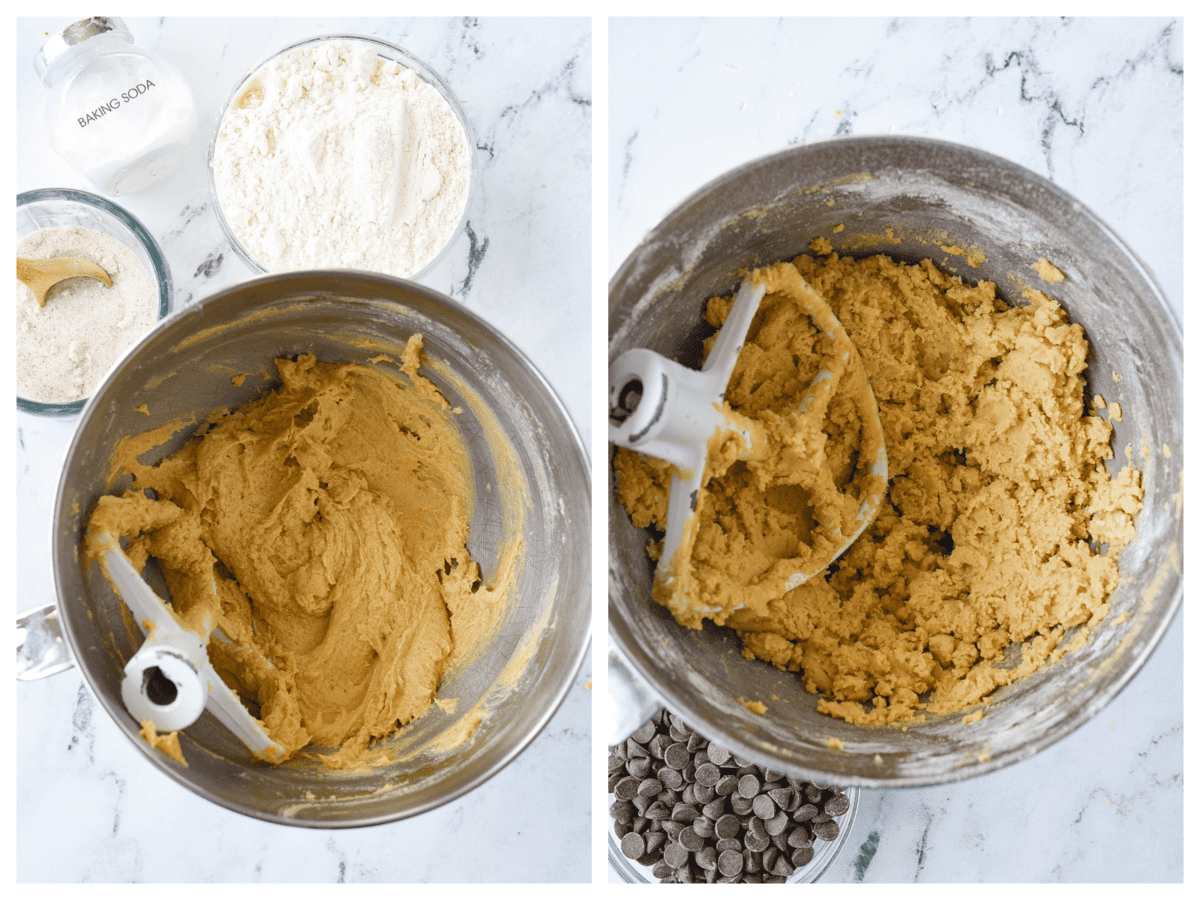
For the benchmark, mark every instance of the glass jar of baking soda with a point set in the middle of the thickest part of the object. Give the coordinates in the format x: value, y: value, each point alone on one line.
x: 122, y: 115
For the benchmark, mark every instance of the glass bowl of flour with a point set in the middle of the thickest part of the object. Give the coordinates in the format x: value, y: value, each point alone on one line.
x: 66, y: 347
x: 342, y: 152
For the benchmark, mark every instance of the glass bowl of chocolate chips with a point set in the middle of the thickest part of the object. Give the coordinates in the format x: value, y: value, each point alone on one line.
x: 683, y: 809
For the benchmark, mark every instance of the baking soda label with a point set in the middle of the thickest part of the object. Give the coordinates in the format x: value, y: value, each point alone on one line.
x: 112, y: 105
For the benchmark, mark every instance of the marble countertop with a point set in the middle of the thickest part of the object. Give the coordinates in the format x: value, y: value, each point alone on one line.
x: 88, y: 808
x: 1096, y: 106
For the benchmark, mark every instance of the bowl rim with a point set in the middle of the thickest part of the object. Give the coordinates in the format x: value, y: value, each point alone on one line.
x: 158, y: 260
x: 628, y: 270
x: 196, y: 311
x: 394, y: 53
x: 867, y: 140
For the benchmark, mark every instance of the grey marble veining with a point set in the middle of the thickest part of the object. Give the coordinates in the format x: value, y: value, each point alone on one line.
x: 88, y: 807
x: 1096, y: 106
x: 1093, y: 104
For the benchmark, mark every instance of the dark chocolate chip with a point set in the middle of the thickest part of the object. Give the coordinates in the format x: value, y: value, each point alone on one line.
x: 627, y: 788
x: 651, y: 787
x: 727, y: 785
x: 670, y: 778
x: 708, y: 774
x: 805, y: 812
x: 741, y: 805
x: 671, y: 828
x: 639, y: 767
x: 675, y: 855
x: 800, y: 836
x: 715, y: 808
x: 781, y: 796
x: 730, y: 862
x: 621, y: 810
x: 783, y: 867
x: 633, y: 845
x: 662, y: 871
x: 836, y: 805
x: 645, y: 733
x: 685, y: 813
x: 690, y: 839
x: 764, y: 806
x: 676, y: 756
x: 756, y: 842
x: 657, y: 745
x: 826, y: 831
x: 658, y: 810
x: 717, y: 754
x: 778, y: 823
x: 728, y: 826
x: 770, y: 854
x: 802, y: 856
x: 704, y: 827
x: 748, y: 786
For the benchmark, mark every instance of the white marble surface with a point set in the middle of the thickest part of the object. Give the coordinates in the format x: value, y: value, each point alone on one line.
x: 1095, y: 105
x: 88, y: 808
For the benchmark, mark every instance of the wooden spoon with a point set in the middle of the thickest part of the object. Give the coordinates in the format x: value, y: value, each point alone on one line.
x: 39, y: 275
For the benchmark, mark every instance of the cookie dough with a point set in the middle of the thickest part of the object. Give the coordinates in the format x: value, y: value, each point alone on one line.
x: 1002, y: 526
x: 168, y: 743
x: 333, y: 514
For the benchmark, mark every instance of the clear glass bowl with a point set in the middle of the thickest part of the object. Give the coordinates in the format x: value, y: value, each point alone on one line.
x: 60, y: 208
x: 384, y: 50
x: 825, y: 852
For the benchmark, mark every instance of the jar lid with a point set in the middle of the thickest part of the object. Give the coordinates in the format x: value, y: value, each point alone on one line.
x: 76, y: 33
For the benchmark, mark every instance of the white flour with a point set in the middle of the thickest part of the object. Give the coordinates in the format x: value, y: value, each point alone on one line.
x: 334, y: 157
x: 67, y: 346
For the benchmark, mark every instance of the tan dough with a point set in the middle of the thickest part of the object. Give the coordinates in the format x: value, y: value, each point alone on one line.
x: 997, y: 485
x: 334, y: 513
x: 168, y: 743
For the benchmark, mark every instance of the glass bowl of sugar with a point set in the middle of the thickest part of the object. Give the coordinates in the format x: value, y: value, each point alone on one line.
x: 66, y: 346
x: 343, y: 152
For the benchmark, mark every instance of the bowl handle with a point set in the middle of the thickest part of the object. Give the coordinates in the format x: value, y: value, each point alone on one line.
x: 41, y: 647
x: 630, y: 702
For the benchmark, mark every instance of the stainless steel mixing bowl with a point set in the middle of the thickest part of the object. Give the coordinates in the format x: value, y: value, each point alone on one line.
x: 911, y: 199
x: 184, y: 367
